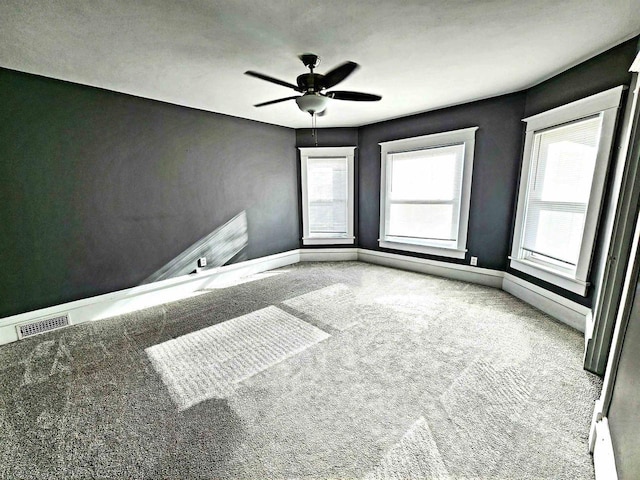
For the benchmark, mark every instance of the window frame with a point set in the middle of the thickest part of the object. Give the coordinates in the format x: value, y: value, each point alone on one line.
x: 466, y: 137
x: 606, y: 105
x: 307, y: 153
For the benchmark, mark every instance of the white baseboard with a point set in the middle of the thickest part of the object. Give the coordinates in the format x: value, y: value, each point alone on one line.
x: 604, y: 461
x: 328, y: 254
x: 482, y: 276
x: 145, y: 296
x: 562, y: 309
x: 567, y: 311
x: 595, y: 418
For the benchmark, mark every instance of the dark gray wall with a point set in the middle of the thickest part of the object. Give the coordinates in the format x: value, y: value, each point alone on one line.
x: 498, y: 156
x: 98, y: 189
x: 495, y: 171
x: 604, y: 71
x: 329, y: 137
x: 624, y: 412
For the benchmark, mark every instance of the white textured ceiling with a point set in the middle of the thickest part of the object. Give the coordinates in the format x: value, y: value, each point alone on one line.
x: 419, y: 55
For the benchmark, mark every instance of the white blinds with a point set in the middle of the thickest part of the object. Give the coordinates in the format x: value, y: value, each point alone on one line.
x: 327, y: 195
x: 560, y: 181
x: 424, y: 193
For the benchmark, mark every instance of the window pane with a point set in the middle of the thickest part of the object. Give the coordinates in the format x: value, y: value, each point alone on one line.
x: 328, y: 217
x: 432, y: 174
x: 559, y: 235
x: 563, y: 165
x: 327, y: 179
x: 566, y: 161
x: 327, y: 195
x: 422, y: 221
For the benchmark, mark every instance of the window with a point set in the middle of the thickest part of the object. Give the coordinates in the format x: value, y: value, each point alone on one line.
x: 327, y: 195
x: 566, y: 157
x: 425, y: 193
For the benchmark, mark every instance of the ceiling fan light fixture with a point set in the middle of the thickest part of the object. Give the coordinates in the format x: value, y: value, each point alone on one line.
x: 312, y: 103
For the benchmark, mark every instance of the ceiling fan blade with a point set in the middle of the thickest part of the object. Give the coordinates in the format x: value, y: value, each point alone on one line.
x: 338, y: 74
x: 353, y: 96
x: 271, y: 102
x: 272, y: 80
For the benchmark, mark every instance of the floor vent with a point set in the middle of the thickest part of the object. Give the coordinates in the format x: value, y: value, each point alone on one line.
x: 41, y: 326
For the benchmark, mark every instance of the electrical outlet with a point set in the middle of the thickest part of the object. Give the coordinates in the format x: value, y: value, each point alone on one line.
x: 474, y: 261
x: 202, y: 262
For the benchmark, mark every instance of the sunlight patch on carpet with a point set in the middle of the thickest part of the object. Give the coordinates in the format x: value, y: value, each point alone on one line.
x: 414, y: 457
x: 334, y: 305
x: 209, y: 363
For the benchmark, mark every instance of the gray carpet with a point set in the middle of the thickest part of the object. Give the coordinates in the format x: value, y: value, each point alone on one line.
x: 415, y: 456
x: 314, y: 371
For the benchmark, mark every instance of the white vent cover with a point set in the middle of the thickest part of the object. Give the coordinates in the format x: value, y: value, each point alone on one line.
x: 41, y: 326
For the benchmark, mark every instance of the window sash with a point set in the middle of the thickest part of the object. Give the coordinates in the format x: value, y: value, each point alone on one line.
x: 530, y: 238
x: 450, y: 239
x: 538, y: 243
x: 330, y: 193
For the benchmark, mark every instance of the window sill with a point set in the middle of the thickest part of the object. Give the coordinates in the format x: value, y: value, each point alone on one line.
x: 548, y: 275
x: 328, y: 240
x: 430, y: 250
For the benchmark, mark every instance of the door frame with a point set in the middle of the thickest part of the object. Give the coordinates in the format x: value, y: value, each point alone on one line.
x: 618, y: 230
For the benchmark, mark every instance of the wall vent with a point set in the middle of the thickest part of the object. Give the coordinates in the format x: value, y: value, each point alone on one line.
x: 41, y: 326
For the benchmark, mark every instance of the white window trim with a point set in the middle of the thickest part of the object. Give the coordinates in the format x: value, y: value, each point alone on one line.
x: 607, y: 103
x: 327, y: 152
x: 466, y: 136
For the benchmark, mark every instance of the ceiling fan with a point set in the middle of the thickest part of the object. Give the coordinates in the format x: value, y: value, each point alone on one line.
x: 312, y: 86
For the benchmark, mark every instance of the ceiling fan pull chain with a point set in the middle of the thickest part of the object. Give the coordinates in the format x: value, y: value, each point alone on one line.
x: 314, y: 130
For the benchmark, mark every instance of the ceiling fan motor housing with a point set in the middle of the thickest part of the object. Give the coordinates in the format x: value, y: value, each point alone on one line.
x: 310, y: 82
